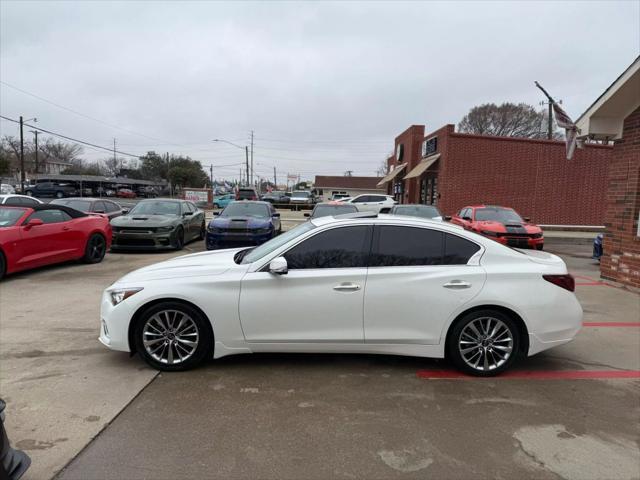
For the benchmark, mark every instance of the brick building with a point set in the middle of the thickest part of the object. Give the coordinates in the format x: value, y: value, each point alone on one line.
x: 615, y: 115
x: 451, y: 170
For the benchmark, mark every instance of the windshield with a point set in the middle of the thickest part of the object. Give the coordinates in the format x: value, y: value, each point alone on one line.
x: 301, y: 194
x: 276, y: 242
x: 502, y: 215
x: 328, y: 210
x: 425, y: 211
x: 9, y: 216
x: 156, y: 207
x: 81, y: 205
x: 242, y: 209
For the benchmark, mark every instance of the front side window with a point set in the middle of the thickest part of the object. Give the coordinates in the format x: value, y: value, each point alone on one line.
x: 342, y: 247
x: 255, y: 254
x: 50, y: 216
x: 397, y: 246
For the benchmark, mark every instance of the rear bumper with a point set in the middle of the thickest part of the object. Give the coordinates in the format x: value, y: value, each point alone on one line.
x: 566, y: 323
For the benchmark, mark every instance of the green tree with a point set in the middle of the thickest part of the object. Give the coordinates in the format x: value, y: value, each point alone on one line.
x: 185, y: 172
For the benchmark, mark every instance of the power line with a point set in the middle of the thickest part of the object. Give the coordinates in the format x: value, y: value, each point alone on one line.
x: 74, y: 140
x: 75, y: 112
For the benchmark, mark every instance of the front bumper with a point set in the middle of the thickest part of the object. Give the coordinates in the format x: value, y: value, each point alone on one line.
x: 520, y: 242
x: 124, y: 240
x: 222, y: 239
x: 114, y: 324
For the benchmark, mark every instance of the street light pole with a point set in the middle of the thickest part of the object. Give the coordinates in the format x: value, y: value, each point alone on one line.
x: 246, y: 151
x: 35, y: 134
x: 22, y: 177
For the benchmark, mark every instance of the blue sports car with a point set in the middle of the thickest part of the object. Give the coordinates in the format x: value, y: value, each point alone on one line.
x: 243, y: 223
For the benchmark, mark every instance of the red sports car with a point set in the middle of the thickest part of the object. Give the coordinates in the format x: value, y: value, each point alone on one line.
x: 40, y: 235
x: 501, y: 224
x: 125, y: 193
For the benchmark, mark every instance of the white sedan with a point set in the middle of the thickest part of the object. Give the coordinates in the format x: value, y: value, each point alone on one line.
x: 360, y: 283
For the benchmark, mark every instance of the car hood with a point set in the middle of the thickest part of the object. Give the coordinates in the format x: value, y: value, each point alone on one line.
x: 509, y: 227
x: 197, y: 264
x: 246, y: 222
x: 144, y: 220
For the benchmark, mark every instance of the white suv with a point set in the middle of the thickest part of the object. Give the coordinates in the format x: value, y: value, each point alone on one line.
x: 371, y: 203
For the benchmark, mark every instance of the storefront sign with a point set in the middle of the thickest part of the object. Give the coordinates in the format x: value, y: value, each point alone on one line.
x: 196, y: 196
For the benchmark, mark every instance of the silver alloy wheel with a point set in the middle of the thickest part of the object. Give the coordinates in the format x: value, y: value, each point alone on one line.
x: 485, y: 343
x: 170, y: 336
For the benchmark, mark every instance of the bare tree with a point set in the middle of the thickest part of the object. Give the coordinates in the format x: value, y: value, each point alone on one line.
x: 506, y: 120
x: 381, y: 171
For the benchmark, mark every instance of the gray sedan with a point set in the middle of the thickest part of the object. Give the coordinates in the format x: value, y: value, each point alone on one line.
x: 158, y: 224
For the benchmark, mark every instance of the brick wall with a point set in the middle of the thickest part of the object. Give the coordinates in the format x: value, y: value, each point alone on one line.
x: 532, y: 176
x: 621, y: 260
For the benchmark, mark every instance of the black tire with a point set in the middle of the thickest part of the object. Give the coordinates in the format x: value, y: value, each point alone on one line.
x: 215, y: 205
x: 3, y: 265
x: 29, y: 193
x: 95, y: 250
x: 487, y: 349
x: 59, y: 194
x: 203, y: 231
x: 203, y: 338
x: 178, y: 241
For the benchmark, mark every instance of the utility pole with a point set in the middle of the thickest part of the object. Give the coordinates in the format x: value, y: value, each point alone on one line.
x: 211, y: 170
x: 21, y: 158
x: 115, y: 161
x: 246, y: 151
x: 550, y: 103
x: 35, y: 134
x: 275, y: 179
x: 252, y: 157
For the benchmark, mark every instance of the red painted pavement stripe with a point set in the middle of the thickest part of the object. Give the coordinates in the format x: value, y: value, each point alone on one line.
x: 534, y: 375
x: 611, y: 324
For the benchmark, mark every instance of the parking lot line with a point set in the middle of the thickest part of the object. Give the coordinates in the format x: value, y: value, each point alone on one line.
x: 611, y: 324
x: 533, y: 375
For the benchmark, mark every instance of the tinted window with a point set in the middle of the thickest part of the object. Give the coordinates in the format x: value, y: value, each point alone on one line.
x: 362, y: 199
x: 343, y: 247
x: 376, y: 198
x: 14, y: 201
x: 327, y: 210
x: 29, y: 201
x: 50, y: 216
x: 111, y: 207
x: 457, y: 250
x: 402, y: 246
x: 99, y: 207
x: 80, y: 205
x: 423, y: 211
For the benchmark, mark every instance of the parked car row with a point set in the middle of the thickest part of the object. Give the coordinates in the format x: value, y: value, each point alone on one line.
x: 62, y: 190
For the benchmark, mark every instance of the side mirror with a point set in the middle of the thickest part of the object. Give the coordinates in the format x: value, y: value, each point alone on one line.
x: 447, y: 218
x: 125, y: 211
x: 34, y: 222
x: 278, y: 266
x: 307, y: 214
x: 187, y: 214
x: 277, y: 214
x: 216, y: 212
x: 468, y: 219
x: 527, y: 219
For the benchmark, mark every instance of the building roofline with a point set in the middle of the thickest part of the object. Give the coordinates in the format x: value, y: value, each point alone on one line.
x: 522, y: 139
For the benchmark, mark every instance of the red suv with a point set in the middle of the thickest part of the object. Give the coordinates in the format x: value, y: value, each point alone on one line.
x: 501, y: 224
x: 247, y: 193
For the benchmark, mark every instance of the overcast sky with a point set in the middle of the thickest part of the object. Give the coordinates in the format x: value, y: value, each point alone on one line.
x: 325, y: 86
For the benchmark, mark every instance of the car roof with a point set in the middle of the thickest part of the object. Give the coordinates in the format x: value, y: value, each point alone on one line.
x: 487, y: 206
x: 72, y: 212
x: 88, y: 199
x: 257, y: 202
x: 381, y: 219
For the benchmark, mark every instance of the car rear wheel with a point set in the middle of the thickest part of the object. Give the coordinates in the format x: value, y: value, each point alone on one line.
x: 95, y: 250
x: 172, y: 336
x: 484, y: 343
x: 178, y: 242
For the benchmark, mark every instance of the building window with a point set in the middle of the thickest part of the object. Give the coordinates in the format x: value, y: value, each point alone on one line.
x: 399, y: 152
x: 429, y: 146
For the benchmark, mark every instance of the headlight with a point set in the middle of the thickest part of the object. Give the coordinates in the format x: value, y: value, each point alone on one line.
x: 213, y: 229
x: 537, y: 235
x: 164, y: 229
x: 489, y: 233
x: 121, y: 294
x: 262, y: 230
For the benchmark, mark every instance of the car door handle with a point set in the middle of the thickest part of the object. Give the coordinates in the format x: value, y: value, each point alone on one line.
x: 457, y: 284
x: 346, y: 287
x: 66, y: 228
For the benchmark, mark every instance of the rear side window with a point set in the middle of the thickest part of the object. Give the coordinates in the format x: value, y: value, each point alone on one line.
x: 398, y: 246
x: 111, y: 207
x: 457, y: 250
x: 50, y: 216
x: 406, y: 246
x: 343, y: 247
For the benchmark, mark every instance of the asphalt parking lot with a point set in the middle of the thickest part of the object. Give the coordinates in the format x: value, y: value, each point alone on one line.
x: 81, y: 411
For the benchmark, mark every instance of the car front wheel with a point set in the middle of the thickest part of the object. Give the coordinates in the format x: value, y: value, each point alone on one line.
x: 172, y: 336
x: 484, y: 343
x: 95, y: 250
x: 178, y: 242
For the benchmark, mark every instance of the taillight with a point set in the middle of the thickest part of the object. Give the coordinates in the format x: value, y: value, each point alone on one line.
x: 564, y: 281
